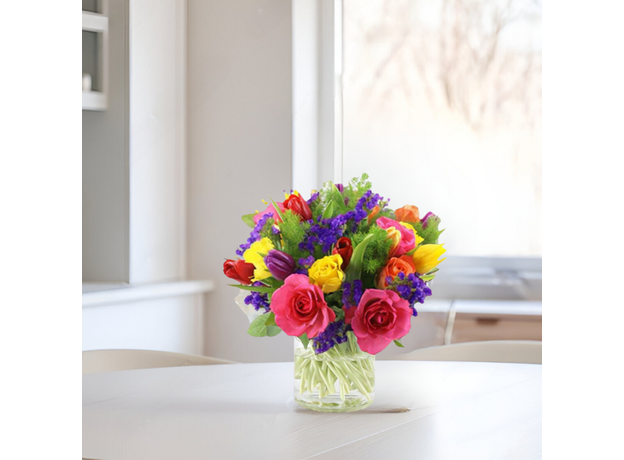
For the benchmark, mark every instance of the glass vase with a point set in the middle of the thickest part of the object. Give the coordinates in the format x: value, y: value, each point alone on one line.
x: 341, y: 379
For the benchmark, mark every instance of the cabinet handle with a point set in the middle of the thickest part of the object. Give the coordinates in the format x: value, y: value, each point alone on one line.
x: 487, y: 321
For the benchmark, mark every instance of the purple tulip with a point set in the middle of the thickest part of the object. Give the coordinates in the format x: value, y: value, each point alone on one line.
x: 280, y: 264
x: 340, y: 187
x: 425, y: 219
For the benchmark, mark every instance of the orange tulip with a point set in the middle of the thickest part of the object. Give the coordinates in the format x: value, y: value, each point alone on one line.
x: 407, y: 213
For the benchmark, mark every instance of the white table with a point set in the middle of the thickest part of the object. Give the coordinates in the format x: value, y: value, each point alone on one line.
x: 424, y: 410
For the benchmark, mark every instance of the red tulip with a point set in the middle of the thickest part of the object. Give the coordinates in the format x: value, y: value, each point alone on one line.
x: 345, y: 249
x: 239, y: 270
x: 298, y: 206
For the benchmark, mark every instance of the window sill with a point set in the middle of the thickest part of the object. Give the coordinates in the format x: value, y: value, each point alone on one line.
x: 96, y: 294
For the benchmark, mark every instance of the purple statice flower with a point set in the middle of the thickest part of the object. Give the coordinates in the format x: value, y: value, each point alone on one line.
x: 257, y: 299
x: 352, y: 293
x: 346, y: 293
x: 255, y: 234
x: 325, y: 232
x: 280, y: 264
x: 357, y: 291
x: 313, y: 198
x: 368, y: 201
x: 411, y: 288
x: 333, y: 334
x: 306, y: 261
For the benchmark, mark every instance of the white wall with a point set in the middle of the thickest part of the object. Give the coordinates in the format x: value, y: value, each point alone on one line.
x: 167, y: 324
x: 239, y: 149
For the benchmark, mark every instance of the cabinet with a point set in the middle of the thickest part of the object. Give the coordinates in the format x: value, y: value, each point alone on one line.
x: 95, y: 54
x: 473, y: 321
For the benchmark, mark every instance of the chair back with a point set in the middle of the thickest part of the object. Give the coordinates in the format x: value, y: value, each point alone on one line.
x: 95, y: 361
x: 493, y: 351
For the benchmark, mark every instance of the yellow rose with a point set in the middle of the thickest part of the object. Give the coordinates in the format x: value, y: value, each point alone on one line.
x: 255, y: 255
x: 426, y: 257
x: 417, y: 238
x: 327, y: 274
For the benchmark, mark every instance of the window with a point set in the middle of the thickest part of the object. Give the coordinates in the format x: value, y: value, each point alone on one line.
x: 439, y: 101
x: 442, y: 107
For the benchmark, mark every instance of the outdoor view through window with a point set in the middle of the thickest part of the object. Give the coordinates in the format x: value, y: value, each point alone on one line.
x: 442, y: 108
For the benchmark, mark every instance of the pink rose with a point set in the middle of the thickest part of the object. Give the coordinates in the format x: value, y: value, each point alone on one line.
x: 380, y: 318
x: 300, y: 307
x: 407, y: 241
x: 270, y: 209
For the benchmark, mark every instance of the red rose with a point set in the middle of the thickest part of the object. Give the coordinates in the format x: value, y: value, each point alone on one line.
x: 239, y: 270
x: 381, y: 317
x: 298, y: 206
x: 345, y: 250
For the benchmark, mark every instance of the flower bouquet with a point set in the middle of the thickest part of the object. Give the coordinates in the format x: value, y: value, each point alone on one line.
x: 341, y: 272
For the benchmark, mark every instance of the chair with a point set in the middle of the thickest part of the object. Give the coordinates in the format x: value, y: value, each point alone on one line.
x: 121, y: 360
x: 493, y: 351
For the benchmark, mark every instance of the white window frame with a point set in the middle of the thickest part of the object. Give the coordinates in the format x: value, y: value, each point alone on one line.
x: 318, y: 153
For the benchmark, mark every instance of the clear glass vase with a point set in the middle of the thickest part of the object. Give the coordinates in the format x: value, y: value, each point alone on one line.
x: 341, y: 379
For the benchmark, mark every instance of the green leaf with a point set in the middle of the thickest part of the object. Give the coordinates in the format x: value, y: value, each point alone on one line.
x: 329, y: 210
x: 261, y: 289
x: 248, y: 219
x: 304, y: 340
x: 272, y: 282
x: 354, y: 271
x: 271, y: 319
x: 427, y: 277
x: 277, y: 209
x: 258, y: 327
x: 263, y: 326
x: 399, y: 344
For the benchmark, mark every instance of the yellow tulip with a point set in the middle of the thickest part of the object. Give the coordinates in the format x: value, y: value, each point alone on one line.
x: 395, y: 236
x: 426, y: 257
x: 327, y: 274
x: 255, y: 255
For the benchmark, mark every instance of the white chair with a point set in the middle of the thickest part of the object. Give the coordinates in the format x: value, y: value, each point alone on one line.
x: 121, y: 360
x: 493, y: 351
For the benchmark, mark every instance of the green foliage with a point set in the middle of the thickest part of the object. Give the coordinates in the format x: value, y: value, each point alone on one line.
x: 398, y: 344
x: 248, y: 219
x: 354, y: 271
x: 264, y: 326
x: 293, y: 232
x: 333, y: 299
x: 332, y: 201
x: 260, y: 289
x: 267, y: 232
x: 431, y: 233
x: 376, y: 253
x: 356, y: 188
x: 316, y: 208
x: 339, y: 313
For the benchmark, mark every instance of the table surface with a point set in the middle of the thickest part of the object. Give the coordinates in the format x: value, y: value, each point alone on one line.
x: 424, y: 410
